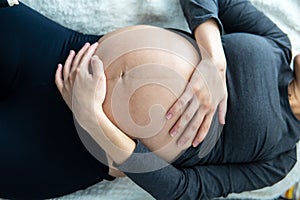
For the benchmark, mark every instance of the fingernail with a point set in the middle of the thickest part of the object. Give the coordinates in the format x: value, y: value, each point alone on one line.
x: 173, y: 133
x: 169, y: 116
x: 195, y: 144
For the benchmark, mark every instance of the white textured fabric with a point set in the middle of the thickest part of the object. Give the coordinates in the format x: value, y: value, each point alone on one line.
x: 102, y: 16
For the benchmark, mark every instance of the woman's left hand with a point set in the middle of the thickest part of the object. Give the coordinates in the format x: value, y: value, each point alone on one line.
x: 205, y: 93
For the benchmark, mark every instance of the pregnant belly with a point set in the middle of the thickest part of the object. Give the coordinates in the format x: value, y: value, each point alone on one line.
x: 147, y: 69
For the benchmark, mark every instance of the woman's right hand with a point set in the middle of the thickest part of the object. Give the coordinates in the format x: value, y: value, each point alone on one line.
x: 82, y: 84
x: 65, y: 75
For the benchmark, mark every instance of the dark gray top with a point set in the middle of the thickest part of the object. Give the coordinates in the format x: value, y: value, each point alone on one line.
x: 257, y: 147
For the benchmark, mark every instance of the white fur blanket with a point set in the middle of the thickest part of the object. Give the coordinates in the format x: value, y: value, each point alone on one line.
x: 102, y: 16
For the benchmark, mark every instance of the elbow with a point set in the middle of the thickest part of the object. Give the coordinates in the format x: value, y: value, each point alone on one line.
x: 284, y: 164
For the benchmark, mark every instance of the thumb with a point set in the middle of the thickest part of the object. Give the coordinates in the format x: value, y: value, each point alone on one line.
x: 97, y: 67
x: 99, y: 75
x: 222, y: 110
x: 297, y: 69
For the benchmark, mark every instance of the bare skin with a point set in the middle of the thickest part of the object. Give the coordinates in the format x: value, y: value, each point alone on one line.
x: 208, y: 38
x: 140, y: 102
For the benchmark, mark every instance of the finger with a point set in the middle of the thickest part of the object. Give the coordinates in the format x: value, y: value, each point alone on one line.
x: 67, y: 66
x: 204, y: 128
x: 79, y: 55
x: 58, y: 78
x: 99, y: 75
x: 222, y: 109
x: 185, y: 119
x: 181, y: 102
x: 88, y: 54
x: 71, y: 76
x: 78, y: 74
x: 97, y: 66
x: 190, y: 131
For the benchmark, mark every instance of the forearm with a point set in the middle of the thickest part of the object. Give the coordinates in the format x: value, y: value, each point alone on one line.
x: 233, y: 16
x: 207, y: 181
x: 208, y: 37
x: 111, y: 139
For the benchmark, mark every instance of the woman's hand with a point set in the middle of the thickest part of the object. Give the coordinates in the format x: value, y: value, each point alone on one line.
x: 83, y: 84
x: 65, y: 75
x: 89, y: 93
x: 206, y: 91
x: 85, y: 95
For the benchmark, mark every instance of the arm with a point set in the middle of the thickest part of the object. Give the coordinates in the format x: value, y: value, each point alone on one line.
x: 207, y: 19
x: 207, y: 27
x: 208, y: 36
x: 111, y: 139
x: 235, y: 16
x: 206, y: 182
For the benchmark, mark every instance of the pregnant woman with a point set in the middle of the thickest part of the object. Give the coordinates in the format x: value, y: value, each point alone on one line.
x: 42, y: 153
x: 257, y: 147
x: 44, y: 157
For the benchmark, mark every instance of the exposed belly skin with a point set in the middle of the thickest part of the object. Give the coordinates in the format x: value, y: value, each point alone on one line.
x: 147, y: 69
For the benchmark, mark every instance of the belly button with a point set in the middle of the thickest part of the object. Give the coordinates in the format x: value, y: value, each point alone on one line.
x: 121, y: 75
